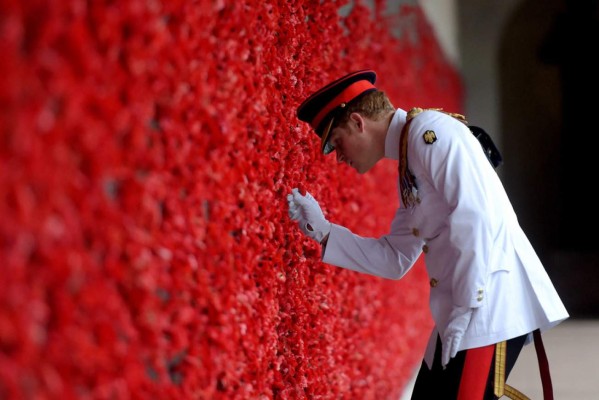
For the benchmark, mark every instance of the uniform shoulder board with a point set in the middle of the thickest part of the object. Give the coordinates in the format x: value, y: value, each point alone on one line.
x: 489, y: 148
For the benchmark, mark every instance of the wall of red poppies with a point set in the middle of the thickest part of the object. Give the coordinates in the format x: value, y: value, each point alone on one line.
x: 146, y: 151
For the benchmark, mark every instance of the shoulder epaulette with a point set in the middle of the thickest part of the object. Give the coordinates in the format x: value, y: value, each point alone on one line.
x: 417, y: 110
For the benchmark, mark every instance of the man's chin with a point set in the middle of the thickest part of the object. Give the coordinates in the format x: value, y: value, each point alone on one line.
x: 362, y: 171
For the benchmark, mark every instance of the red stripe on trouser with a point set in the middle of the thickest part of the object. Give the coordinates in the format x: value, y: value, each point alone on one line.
x: 476, y: 372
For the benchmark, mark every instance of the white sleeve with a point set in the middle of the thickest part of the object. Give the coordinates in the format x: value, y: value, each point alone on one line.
x: 389, y: 256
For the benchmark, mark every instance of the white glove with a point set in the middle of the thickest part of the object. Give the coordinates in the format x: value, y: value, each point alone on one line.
x: 459, y: 319
x: 306, y: 211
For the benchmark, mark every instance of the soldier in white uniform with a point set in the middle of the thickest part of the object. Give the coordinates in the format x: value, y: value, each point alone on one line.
x: 489, y: 291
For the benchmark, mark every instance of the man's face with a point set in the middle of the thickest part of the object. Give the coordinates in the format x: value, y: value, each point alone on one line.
x: 353, y: 145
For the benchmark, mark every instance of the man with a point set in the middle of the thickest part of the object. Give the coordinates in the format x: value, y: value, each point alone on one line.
x: 489, y: 290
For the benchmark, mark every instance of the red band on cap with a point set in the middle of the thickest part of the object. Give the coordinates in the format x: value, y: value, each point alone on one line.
x: 347, y: 95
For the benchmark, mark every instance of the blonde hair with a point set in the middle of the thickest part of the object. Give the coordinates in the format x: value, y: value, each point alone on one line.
x: 373, y: 105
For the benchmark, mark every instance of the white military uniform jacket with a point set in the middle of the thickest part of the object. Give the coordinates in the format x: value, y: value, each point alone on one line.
x: 476, y: 252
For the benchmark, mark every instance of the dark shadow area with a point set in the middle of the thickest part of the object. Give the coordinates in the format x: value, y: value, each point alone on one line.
x: 549, y: 81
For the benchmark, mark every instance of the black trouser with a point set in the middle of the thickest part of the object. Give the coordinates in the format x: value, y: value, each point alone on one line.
x: 439, y: 383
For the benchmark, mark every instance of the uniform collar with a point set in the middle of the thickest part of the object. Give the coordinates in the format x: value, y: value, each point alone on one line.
x: 393, y: 134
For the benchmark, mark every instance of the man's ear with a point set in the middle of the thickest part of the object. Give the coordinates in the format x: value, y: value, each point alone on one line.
x: 358, y: 120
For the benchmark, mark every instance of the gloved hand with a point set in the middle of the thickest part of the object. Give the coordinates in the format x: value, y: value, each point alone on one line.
x: 459, y: 319
x: 306, y: 211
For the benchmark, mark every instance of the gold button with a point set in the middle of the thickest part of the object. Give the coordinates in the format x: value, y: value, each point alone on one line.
x: 415, y: 232
x: 434, y: 282
x: 480, y: 291
x: 479, y: 298
x: 425, y: 249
